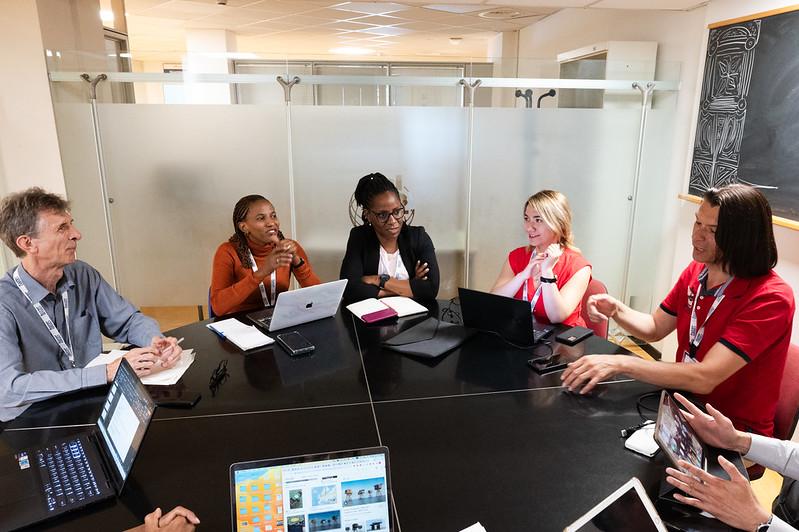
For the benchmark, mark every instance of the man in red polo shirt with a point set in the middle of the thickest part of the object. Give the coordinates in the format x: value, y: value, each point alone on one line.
x: 733, y: 315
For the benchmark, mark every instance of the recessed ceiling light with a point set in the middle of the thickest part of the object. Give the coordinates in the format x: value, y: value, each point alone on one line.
x: 371, y: 8
x: 107, y: 16
x: 455, y: 41
x: 351, y: 50
x: 500, y: 13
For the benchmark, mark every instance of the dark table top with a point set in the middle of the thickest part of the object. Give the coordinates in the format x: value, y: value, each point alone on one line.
x: 473, y: 436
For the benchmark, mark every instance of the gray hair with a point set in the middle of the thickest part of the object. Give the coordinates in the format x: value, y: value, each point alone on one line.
x: 19, y: 214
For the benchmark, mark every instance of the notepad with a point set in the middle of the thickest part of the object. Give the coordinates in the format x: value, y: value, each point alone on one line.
x: 245, y: 337
x: 160, y: 378
x: 401, y: 306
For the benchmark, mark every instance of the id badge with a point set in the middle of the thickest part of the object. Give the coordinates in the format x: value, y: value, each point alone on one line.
x: 687, y: 358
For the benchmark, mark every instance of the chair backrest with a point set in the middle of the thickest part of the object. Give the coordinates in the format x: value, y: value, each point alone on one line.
x: 210, y: 308
x: 595, y: 287
x: 788, y: 403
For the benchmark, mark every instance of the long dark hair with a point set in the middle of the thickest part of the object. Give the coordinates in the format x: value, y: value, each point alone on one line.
x: 744, y: 235
x: 368, y: 187
x: 239, y: 239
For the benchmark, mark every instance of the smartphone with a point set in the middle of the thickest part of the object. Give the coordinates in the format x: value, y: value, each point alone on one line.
x: 295, y: 343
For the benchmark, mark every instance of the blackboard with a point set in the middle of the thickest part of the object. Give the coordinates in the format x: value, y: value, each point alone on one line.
x: 748, y: 125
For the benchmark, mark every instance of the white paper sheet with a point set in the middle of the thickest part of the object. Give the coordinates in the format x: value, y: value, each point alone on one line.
x: 162, y: 378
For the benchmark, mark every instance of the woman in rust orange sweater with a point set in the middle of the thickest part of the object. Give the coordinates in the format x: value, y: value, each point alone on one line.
x: 256, y: 263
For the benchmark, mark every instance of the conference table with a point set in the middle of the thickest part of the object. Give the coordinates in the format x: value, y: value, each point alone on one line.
x: 474, y: 435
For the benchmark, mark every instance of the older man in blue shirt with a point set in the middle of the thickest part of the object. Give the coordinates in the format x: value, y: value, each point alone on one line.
x: 54, y: 308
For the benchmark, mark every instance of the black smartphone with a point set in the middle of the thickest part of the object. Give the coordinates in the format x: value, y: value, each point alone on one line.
x: 574, y: 336
x: 295, y: 343
x: 169, y: 397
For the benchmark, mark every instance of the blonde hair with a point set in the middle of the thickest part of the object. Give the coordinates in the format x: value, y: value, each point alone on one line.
x: 554, y: 209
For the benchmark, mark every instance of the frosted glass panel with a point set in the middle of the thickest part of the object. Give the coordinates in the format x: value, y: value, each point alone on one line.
x: 654, y: 199
x: 175, y: 173
x: 587, y: 154
x: 422, y: 148
x: 82, y: 178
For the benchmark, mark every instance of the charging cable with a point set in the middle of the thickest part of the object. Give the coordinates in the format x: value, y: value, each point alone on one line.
x: 629, y: 431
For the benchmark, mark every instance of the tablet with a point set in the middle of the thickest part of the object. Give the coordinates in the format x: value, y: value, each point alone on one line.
x: 675, y: 436
x: 628, y: 509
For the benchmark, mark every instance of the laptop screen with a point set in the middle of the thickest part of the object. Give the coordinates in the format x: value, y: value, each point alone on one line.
x: 675, y: 436
x: 123, y: 421
x: 339, y: 491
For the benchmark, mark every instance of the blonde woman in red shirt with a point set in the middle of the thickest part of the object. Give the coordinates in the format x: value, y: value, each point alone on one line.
x: 549, y: 271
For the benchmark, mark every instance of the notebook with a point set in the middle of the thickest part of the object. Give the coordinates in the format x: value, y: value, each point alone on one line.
x: 368, y: 309
x: 628, y: 509
x: 511, y: 319
x: 345, y: 490
x: 245, y: 337
x: 303, y: 305
x: 69, y: 473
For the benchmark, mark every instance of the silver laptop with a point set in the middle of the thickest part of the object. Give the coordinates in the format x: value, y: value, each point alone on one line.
x: 296, y: 307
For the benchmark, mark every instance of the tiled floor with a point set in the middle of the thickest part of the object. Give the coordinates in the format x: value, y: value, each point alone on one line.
x: 766, y: 488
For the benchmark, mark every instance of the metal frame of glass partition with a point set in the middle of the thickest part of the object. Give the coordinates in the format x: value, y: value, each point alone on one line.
x: 644, y: 87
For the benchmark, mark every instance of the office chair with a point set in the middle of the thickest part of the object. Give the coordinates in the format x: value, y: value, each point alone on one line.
x: 594, y: 287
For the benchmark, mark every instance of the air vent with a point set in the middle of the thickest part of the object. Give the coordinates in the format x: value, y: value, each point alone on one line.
x: 500, y: 13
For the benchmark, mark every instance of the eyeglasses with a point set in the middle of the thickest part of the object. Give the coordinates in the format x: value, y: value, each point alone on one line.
x: 382, y: 217
x: 218, y: 377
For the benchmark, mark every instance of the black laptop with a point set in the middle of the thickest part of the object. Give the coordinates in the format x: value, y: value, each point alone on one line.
x: 510, y: 318
x: 70, y: 473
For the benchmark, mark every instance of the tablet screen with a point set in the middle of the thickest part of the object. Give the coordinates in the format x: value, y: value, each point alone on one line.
x: 675, y: 436
x: 628, y: 509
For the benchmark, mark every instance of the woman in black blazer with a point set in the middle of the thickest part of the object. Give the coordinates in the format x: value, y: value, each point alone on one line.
x: 385, y: 256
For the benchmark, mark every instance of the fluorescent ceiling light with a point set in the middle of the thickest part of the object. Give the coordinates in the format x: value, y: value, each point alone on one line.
x: 351, y: 50
x: 386, y: 31
x: 107, y: 16
x: 371, y: 8
x: 454, y: 8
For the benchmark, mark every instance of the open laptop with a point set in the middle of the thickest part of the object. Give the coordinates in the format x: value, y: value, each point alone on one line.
x: 296, y: 307
x: 507, y: 317
x: 628, y: 509
x: 678, y: 440
x: 70, y: 473
x: 345, y: 490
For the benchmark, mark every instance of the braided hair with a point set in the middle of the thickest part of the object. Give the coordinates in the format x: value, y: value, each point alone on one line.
x: 239, y: 238
x: 368, y: 187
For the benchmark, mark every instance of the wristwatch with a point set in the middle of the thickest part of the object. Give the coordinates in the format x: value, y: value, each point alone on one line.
x: 302, y: 261
x: 763, y: 527
x: 383, y: 280
x: 553, y: 279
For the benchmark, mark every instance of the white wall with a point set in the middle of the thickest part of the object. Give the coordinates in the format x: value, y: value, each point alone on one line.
x: 28, y: 144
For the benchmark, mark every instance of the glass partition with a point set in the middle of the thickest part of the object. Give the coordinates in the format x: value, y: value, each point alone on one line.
x: 587, y: 154
x: 423, y: 150
x: 174, y: 174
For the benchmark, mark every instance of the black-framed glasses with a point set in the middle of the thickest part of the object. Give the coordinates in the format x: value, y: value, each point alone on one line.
x: 218, y: 377
x: 383, y: 217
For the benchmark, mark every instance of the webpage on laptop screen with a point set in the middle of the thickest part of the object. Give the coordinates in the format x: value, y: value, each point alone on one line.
x: 340, y: 494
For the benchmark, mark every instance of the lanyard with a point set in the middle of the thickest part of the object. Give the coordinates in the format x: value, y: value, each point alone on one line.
x: 695, y: 336
x: 272, y: 283
x: 537, y: 293
x: 67, y: 349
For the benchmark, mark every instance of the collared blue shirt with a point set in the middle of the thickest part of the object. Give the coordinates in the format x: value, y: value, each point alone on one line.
x: 32, y: 365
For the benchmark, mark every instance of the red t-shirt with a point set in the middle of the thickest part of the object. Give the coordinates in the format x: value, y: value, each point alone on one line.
x: 753, y: 320
x: 569, y: 263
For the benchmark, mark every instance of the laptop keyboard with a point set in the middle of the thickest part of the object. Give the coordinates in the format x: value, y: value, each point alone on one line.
x: 66, y: 474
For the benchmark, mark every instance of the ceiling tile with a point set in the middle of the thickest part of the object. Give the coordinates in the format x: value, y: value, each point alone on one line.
x: 386, y: 30
x: 378, y: 20
x: 649, y: 4
x: 375, y: 8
